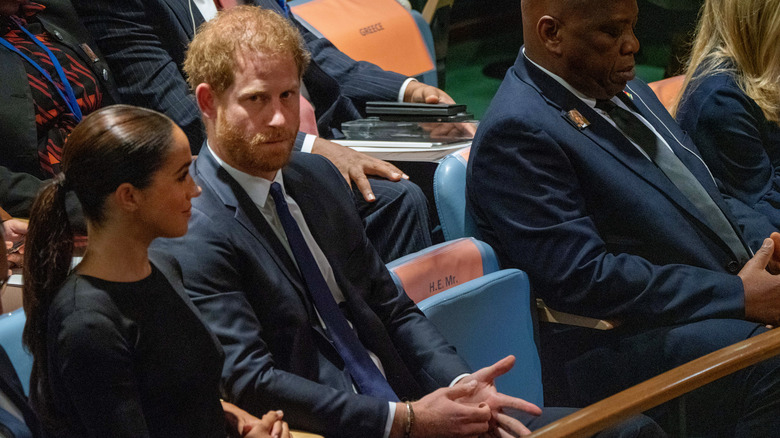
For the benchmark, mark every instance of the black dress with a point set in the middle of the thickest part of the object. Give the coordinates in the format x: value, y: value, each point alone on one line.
x: 133, y: 360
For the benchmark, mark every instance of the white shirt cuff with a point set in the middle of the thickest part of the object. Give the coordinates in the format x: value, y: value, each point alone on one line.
x: 458, y: 379
x: 403, y: 88
x: 390, y: 418
x: 308, y: 143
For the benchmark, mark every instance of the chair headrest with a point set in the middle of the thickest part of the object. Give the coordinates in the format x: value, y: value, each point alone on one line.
x: 440, y: 267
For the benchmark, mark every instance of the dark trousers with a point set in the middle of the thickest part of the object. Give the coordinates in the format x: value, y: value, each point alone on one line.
x: 397, y: 223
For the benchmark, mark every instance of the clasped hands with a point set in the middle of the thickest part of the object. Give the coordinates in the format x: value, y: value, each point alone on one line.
x: 761, y: 283
x: 472, y: 408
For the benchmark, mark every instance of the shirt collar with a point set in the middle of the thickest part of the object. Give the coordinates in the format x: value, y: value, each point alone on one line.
x: 256, y: 187
x: 591, y: 102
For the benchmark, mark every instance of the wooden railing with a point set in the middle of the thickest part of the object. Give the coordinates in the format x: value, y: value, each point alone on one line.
x: 664, y: 387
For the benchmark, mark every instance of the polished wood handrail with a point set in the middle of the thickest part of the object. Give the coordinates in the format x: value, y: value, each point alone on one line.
x: 664, y: 387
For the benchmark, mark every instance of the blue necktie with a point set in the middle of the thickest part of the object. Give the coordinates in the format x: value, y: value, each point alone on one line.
x: 364, y: 372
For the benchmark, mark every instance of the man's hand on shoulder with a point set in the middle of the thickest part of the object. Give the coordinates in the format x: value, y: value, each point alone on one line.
x: 421, y: 93
x: 356, y: 166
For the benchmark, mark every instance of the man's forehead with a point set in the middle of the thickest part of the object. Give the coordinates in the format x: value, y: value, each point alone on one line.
x: 246, y: 56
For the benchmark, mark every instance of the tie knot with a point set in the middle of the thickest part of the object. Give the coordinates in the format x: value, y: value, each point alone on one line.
x: 605, y: 105
x: 277, y: 194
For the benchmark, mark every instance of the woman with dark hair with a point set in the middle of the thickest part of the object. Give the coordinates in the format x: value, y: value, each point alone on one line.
x: 118, y: 348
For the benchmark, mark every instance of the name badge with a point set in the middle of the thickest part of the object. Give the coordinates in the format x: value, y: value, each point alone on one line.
x: 577, y: 119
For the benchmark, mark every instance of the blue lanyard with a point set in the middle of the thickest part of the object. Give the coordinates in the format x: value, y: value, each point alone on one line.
x: 69, y: 97
x: 285, y: 7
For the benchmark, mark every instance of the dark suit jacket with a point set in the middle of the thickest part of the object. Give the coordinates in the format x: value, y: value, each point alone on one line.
x: 598, y: 227
x: 12, y: 388
x: 738, y: 143
x: 20, y: 172
x: 250, y: 293
x: 145, y: 42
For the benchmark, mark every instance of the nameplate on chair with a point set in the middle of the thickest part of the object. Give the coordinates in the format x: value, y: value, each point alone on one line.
x: 440, y: 269
x: 378, y: 31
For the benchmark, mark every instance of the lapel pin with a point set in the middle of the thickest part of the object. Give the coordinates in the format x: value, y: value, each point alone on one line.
x: 88, y: 50
x: 630, y: 96
x: 577, y: 119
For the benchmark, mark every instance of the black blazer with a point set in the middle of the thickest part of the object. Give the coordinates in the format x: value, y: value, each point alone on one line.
x: 251, y: 295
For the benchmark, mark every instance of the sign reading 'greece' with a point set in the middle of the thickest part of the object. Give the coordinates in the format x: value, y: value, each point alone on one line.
x: 371, y: 29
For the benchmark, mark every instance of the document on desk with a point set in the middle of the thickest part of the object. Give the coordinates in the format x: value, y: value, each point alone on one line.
x: 405, y: 151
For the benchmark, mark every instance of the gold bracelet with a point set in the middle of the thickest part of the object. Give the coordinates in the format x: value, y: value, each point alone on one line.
x: 409, y: 420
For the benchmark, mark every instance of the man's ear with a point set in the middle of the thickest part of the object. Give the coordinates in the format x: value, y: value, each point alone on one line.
x: 127, y: 197
x: 206, y: 99
x: 549, y: 31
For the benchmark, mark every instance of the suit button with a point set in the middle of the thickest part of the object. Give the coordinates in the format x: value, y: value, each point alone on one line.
x: 105, y: 75
x: 733, y: 267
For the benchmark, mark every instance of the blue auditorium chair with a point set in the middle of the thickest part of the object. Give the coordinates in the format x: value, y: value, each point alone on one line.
x: 449, y: 192
x: 485, y: 312
x: 11, y: 328
x: 487, y: 319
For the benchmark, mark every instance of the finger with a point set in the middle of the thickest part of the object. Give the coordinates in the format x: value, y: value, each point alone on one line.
x: 360, y: 180
x: 276, y: 431
x: 269, y: 419
x: 507, y: 401
x: 763, y: 255
x: 445, y: 98
x: 776, y: 241
x: 512, y: 425
x: 499, y: 368
x: 385, y: 170
x: 285, y: 431
x: 432, y: 98
x: 462, y: 390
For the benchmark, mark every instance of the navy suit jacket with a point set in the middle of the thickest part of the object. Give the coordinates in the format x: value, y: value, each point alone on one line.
x: 145, y: 42
x: 598, y: 227
x: 21, y: 176
x: 738, y: 143
x: 250, y: 293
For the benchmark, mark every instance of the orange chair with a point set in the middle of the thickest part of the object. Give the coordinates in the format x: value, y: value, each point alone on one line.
x: 667, y: 90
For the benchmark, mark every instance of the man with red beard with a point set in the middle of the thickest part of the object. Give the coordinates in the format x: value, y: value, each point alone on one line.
x: 279, y: 267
